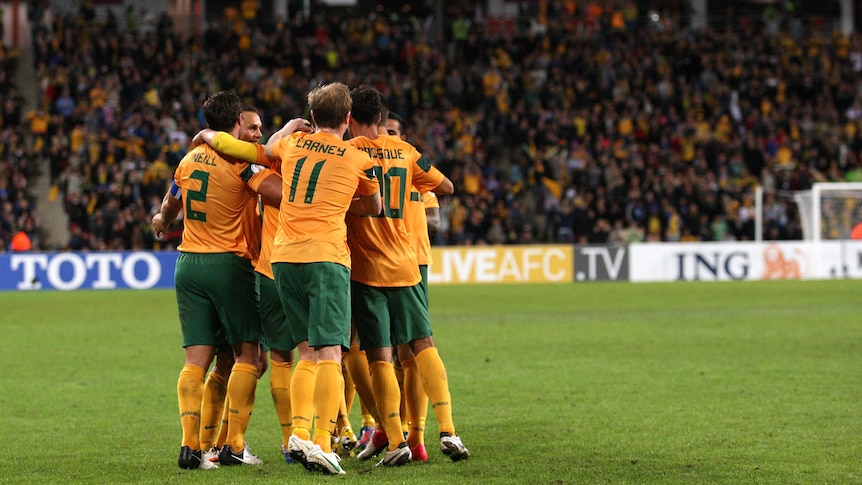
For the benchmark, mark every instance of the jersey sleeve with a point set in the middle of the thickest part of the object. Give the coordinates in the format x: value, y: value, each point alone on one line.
x: 175, y: 190
x: 426, y: 177
x: 431, y: 201
x: 368, y: 183
x: 253, y: 175
x: 276, y: 166
x: 282, y: 144
x: 225, y: 144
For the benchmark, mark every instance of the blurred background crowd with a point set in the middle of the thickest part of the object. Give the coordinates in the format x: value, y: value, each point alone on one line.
x: 571, y: 122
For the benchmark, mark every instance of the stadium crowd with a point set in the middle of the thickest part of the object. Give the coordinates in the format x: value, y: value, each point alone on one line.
x: 19, y: 220
x: 573, y: 123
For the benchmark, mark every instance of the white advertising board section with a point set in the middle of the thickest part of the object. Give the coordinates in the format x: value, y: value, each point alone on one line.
x: 501, y: 264
x: 738, y: 261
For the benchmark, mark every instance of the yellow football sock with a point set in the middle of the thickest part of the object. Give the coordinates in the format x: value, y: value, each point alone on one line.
x: 402, y: 407
x: 388, y: 398
x: 417, y: 402
x: 328, y: 394
x: 436, y: 385
x: 279, y: 387
x: 190, y: 389
x: 343, y: 418
x: 222, y: 430
x: 240, y: 390
x: 215, y: 391
x: 357, y: 366
x: 349, y: 389
x: 301, y: 398
x: 367, y: 418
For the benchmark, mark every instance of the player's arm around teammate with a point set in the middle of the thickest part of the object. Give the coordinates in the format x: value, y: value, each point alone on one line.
x: 248, y: 151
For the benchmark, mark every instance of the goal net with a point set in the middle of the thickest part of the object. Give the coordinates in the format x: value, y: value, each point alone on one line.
x: 830, y: 210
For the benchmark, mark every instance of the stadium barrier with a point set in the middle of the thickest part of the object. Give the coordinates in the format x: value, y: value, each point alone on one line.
x: 640, y: 262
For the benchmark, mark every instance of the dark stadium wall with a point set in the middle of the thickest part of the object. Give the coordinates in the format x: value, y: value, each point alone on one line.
x: 101, y: 7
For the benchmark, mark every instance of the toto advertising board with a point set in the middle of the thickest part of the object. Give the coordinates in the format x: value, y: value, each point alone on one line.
x: 137, y: 270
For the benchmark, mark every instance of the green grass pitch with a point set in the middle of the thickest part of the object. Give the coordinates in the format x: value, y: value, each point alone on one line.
x: 736, y: 383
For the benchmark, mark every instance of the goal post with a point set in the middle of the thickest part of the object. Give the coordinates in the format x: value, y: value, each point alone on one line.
x: 823, y: 218
x: 831, y: 210
x: 828, y: 211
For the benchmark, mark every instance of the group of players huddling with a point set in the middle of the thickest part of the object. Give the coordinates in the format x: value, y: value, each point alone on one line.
x: 314, y: 243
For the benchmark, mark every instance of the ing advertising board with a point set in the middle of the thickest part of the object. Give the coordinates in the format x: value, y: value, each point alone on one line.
x: 745, y: 261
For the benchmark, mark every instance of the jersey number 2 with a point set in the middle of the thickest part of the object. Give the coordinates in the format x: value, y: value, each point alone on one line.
x: 198, y: 195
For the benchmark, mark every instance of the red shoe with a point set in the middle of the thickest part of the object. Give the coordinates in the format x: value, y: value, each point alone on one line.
x: 419, y: 452
x: 379, y: 442
x: 365, y: 434
x: 379, y: 439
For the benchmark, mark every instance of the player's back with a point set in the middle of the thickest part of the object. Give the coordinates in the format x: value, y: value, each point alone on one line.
x: 269, y: 228
x: 214, y: 194
x: 320, y: 175
x: 252, y: 226
x: 381, y: 246
x: 417, y: 223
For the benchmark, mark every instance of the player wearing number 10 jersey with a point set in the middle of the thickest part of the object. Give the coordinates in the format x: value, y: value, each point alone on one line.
x: 389, y: 303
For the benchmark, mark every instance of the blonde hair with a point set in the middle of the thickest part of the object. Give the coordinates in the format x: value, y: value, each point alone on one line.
x: 330, y: 104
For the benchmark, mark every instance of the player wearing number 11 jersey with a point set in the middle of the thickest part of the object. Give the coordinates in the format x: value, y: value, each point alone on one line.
x: 323, y: 178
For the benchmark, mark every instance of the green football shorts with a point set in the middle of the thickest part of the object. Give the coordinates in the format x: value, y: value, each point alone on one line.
x: 216, y: 297
x: 316, y: 301
x: 386, y: 316
x: 276, y: 332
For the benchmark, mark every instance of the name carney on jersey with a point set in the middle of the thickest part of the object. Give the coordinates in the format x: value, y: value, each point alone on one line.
x: 373, y: 152
x: 316, y: 146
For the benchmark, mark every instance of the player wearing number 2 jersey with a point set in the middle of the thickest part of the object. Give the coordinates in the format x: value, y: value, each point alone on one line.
x: 214, y: 409
x: 214, y: 279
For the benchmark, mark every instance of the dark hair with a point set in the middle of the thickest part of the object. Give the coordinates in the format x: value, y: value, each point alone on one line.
x: 250, y: 108
x: 367, y: 105
x: 395, y: 116
x: 222, y: 110
x: 384, y: 109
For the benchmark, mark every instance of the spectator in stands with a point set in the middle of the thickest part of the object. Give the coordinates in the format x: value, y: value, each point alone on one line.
x: 649, y: 125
